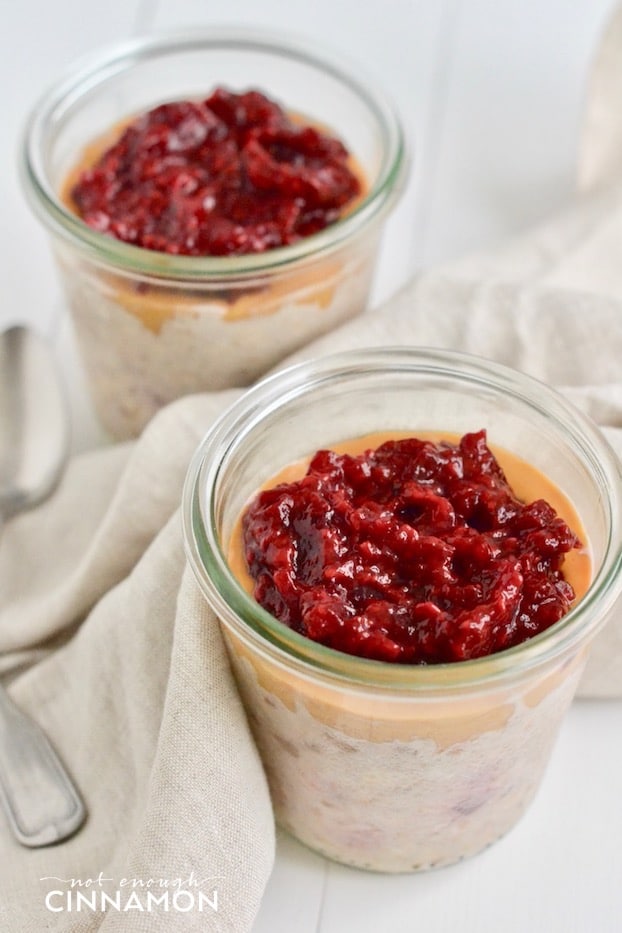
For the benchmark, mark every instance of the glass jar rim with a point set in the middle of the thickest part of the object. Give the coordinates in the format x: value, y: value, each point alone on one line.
x: 96, y: 68
x: 282, y: 644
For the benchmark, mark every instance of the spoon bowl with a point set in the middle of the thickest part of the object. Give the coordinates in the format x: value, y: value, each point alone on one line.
x: 34, y: 432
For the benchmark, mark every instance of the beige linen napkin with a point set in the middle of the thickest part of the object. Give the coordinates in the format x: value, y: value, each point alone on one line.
x: 108, y: 643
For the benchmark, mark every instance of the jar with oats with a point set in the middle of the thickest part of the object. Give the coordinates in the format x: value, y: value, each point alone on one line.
x: 155, y: 316
x: 390, y: 766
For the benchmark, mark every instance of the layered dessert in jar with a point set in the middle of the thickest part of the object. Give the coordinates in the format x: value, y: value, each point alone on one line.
x: 414, y: 552
x: 403, y: 608
x: 230, y: 176
x: 204, y: 237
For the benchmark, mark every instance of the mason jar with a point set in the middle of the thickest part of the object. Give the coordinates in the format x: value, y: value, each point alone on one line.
x: 152, y: 326
x: 384, y: 766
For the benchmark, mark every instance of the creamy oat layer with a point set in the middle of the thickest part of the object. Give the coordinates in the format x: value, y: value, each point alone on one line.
x: 143, y: 350
x: 400, y: 786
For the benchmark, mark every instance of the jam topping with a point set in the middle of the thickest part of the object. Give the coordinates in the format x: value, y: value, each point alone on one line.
x: 415, y: 552
x: 229, y: 175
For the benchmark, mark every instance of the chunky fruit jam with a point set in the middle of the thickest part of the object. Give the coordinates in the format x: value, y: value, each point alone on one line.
x: 415, y: 552
x: 228, y: 175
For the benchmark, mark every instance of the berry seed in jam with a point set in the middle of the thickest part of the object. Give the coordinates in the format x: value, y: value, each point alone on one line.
x: 415, y: 552
x: 229, y: 175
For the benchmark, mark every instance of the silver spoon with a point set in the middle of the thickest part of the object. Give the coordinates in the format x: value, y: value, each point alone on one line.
x: 40, y: 799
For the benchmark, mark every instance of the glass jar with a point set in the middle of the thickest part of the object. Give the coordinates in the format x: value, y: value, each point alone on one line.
x: 153, y: 326
x: 385, y: 766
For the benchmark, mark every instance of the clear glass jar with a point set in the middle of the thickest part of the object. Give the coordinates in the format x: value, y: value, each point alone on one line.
x: 400, y: 767
x: 151, y: 326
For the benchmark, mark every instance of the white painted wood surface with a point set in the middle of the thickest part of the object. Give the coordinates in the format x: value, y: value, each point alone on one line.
x: 491, y: 94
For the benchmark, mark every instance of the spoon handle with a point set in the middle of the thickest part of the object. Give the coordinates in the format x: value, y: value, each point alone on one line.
x: 40, y: 799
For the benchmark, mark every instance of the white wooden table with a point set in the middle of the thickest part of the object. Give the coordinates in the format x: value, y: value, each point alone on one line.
x: 491, y: 94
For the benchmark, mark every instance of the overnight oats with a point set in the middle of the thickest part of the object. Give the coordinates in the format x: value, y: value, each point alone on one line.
x: 424, y: 601
x: 216, y: 201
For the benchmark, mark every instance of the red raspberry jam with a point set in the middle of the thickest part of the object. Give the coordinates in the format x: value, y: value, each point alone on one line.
x: 229, y: 175
x: 415, y: 552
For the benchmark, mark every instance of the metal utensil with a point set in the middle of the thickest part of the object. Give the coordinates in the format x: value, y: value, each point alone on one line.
x: 40, y: 799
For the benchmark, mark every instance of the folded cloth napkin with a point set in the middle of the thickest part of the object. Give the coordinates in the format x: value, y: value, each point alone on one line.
x: 107, y: 642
